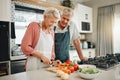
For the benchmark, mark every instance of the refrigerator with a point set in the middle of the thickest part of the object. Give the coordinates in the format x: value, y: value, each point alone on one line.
x: 4, y: 41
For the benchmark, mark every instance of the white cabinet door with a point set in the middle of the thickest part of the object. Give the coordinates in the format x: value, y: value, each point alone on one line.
x: 89, y: 53
x: 5, y: 10
x: 82, y: 13
x: 73, y: 55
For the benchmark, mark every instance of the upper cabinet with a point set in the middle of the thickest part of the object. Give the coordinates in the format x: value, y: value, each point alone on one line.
x: 83, y: 18
x: 5, y: 10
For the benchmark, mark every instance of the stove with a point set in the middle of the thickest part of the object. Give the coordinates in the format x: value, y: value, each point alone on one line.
x: 103, y: 62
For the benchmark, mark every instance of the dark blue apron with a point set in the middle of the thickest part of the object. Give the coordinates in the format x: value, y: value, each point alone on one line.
x: 62, y: 41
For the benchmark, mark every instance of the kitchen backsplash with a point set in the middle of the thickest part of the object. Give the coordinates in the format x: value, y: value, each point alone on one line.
x: 13, y: 3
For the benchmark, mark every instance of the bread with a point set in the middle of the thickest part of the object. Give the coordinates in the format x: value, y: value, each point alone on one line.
x: 64, y: 76
x: 59, y: 73
x: 52, y: 69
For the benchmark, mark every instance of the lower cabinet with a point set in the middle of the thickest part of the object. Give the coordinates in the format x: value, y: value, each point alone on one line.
x: 4, y: 68
x: 17, y: 66
x: 73, y: 55
x: 12, y: 67
x: 89, y: 53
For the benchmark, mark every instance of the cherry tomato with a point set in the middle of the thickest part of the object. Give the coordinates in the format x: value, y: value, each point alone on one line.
x: 68, y: 61
x: 71, y: 68
x: 75, y: 67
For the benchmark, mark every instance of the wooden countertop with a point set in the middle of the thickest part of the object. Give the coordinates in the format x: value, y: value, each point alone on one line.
x: 46, y: 75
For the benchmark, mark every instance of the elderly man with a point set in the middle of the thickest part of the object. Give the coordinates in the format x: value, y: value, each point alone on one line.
x: 66, y: 32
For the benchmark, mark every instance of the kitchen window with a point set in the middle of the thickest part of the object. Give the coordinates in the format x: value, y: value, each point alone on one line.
x: 23, y: 16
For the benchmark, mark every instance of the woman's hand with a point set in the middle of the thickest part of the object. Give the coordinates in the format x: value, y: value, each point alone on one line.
x: 57, y: 62
x: 45, y: 60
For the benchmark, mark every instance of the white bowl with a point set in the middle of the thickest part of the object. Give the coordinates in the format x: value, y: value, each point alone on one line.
x: 87, y: 66
x: 87, y: 75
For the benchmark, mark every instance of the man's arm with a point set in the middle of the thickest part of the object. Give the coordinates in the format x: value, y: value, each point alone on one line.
x: 76, y: 43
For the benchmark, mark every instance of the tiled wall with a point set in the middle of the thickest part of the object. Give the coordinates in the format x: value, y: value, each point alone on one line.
x: 22, y: 4
x: 12, y: 41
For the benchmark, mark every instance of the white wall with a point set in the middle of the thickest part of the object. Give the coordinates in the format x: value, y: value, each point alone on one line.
x: 116, y: 30
x: 95, y: 4
x: 55, y: 1
x: 5, y: 10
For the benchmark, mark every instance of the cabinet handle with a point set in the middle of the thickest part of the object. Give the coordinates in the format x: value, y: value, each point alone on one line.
x: 89, y: 54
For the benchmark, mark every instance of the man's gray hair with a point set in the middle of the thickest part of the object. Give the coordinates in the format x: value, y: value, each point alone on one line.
x: 52, y: 12
x: 67, y: 11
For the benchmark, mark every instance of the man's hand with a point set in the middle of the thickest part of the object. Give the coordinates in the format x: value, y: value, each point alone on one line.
x: 84, y: 58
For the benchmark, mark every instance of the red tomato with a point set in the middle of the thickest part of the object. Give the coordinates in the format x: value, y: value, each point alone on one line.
x: 68, y: 61
x: 75, y: 67
x: 71, y: 68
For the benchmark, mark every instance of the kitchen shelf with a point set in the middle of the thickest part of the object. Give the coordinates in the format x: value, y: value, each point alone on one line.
x: 82, y: 39
x: 42, y: 3
x: 18, y: 57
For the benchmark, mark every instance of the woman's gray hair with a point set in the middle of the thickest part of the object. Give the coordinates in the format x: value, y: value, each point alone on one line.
x: 67, y: 11
x: 52, y: 12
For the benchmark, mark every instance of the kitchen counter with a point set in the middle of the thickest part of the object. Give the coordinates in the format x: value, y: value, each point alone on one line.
x: 46, y: 75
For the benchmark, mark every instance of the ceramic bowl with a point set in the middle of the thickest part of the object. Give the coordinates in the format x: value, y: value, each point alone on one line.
x: 88, y: 75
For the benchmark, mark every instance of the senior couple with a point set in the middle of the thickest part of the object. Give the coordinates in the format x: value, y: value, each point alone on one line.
x: 50, y: 39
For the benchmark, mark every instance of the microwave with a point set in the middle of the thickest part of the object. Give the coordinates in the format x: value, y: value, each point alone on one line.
x: 85, y: 27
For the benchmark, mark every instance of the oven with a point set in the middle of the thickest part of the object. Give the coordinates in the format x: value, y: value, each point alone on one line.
x: 17, y: 66
x: 4, y: 41
x: 6, y: 32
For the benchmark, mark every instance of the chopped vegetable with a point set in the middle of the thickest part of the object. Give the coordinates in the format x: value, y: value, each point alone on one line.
x: 88, y: 70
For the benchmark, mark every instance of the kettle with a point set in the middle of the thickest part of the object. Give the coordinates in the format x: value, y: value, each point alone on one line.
x: 85, y: 45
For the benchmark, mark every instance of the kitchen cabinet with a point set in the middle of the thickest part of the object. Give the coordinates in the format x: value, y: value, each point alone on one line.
x: 17, y: 66
x: 4, y: 68
x: 83, y: 18
x: 89, y: 53
x: 73, y: 55
x: 5, y: 10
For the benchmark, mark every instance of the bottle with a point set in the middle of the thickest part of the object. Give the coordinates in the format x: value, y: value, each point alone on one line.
x: 85, y: 45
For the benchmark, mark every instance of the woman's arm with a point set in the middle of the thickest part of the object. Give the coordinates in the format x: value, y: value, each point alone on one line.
x: 30, y: 38
x: 42, y: 57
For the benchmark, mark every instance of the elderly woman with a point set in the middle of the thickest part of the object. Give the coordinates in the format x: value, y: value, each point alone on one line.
x: 38, y: 41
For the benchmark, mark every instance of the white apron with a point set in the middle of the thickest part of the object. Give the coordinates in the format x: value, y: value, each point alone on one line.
x: 44, y: 46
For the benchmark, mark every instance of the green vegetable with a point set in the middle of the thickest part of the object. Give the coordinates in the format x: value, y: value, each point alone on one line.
x: 88, y: 70
x: 79, y: 70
